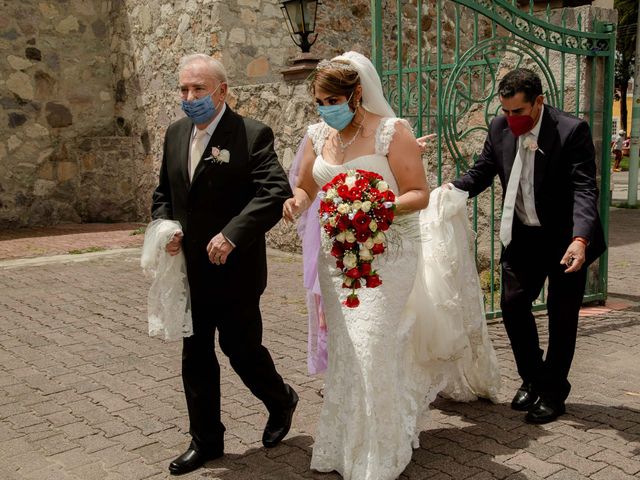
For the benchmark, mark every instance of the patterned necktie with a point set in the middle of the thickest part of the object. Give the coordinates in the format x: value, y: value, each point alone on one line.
x: 198, y: 145
x: 509, y: 207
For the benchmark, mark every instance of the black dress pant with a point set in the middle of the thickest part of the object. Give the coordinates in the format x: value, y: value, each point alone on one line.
x: 239, y: 326
x: 530, y: 259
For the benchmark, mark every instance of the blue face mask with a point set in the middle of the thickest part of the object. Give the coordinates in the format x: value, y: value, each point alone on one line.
x: 336, y: 116
x: 200, y: 110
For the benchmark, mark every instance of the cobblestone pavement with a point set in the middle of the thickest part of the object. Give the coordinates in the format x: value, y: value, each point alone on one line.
x: 86, y: 394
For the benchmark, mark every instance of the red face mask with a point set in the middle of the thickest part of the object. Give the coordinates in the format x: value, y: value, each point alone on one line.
x: 520, y: 124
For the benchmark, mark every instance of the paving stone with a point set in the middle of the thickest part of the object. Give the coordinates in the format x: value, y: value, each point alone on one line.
x: 85, y: 391
x: 611, y: 472
x: 630, y: 466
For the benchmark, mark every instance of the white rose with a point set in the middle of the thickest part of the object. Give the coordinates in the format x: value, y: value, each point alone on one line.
x: 343, y: 208
x: 366, y: 206
x: 350, y: 236
x: 357, y: 205
x: 348, y: 281
x: 331, y: 194
x: 369, y: 243
x: 341, y: 237
x: 365, y: 254
x: 383, y: 186
x: 332, y: 221
x: 373, y: 226
x: 350, y: 260
x: 224, y: 156
x: 350, y: 181
x: 379, y: 237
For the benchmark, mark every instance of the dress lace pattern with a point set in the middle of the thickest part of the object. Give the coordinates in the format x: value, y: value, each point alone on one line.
x: 168, y: 302
x: 378, y: 382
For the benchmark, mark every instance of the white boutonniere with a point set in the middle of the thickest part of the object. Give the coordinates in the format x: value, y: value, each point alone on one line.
x: 219, y: 156
x: 531, y: 145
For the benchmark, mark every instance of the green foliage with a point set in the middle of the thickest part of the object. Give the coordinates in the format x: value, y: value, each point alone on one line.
x: 625, y: 50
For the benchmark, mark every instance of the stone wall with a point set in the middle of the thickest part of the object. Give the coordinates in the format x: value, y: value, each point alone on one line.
x: 56, y: 88
x: 88, y: 87
x: 248, y: 36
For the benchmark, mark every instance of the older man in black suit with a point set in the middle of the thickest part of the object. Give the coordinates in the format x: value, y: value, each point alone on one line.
x: 550, y: 229
x: 221, y: 179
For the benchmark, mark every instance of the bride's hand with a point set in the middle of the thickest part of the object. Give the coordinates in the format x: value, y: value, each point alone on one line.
x: 290, y: 209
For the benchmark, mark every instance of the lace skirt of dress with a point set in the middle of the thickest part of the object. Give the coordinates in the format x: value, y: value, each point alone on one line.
x: 376, y: 390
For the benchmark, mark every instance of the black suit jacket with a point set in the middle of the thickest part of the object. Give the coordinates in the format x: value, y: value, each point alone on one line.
x: 565, y: 189
x: 242, y: 199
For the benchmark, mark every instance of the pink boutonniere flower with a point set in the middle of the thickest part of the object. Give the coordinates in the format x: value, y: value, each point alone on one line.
x: 531, y: 145
x: 219, y: 156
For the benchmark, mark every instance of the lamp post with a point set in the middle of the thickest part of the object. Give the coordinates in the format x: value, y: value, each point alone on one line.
x: 300, y: 17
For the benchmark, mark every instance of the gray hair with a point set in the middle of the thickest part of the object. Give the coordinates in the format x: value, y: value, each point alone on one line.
x: 215, y: 66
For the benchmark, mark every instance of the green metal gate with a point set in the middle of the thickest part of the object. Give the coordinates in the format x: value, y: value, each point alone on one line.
x: 440, y: 62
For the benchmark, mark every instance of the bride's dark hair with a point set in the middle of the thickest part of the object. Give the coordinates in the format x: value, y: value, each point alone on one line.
x: 336, y: 78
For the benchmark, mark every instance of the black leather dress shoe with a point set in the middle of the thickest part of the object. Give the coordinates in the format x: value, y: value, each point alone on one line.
x: 191, y: 460
x: 544, y: 411
x: 524, y: 398
x: 279, y: 423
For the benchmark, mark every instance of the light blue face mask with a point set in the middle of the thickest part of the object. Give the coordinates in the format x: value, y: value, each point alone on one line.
x: 337, y: 116
x: 200, y: 110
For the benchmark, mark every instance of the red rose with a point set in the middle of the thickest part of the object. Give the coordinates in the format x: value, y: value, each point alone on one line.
x: 380, y: 213
x: 353, y: 273
x: 339, y: 264
x: 365, y: 269
x: 373, y: 281
x: 362, y: 183
x: 343, y: 191
x: 352, y: 301
x: 361, y: 221
x: 363, y: 235
x: 332, y: 232
x: 337, y: 250
x: 348, y: 246
x: 343, y: 223
x: 327, y: 207
x: 388, y: 196
x: 354, y: 194
x: 378, y: 248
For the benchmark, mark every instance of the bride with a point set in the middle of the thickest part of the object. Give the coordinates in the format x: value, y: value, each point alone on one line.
x: 422, y: 330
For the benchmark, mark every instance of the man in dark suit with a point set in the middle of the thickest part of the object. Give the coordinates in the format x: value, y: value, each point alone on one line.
x: 221, y: 179
x: 550, y: 229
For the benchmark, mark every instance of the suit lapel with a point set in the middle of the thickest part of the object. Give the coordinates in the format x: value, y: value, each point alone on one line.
x: 509, y: 143
x: 183, y: 146
x: 220, y: 139
x: 546, y: 142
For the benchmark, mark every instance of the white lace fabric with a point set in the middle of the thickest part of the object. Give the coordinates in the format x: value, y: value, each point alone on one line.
x: 168, y: 302
x: 386, y: 361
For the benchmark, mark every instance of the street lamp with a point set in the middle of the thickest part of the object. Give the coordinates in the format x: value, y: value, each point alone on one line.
x: 300, y: 16
x: 301, y: 21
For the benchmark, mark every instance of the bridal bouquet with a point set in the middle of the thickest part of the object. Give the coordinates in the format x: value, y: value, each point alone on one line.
x: 356, y: 208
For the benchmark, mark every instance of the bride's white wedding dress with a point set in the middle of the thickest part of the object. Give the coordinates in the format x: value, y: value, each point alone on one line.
x: 384, y: 366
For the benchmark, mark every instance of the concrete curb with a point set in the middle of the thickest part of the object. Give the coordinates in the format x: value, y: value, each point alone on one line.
x: 67, y: 258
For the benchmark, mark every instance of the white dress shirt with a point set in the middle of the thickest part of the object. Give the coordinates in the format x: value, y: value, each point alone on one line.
x: 209, y: 132
x: 525, y: 207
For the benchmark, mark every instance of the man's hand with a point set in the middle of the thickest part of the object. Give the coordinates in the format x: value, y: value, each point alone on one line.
x: 219, y: 249
x: 175, y: 244
x: 422, y: 141
x: 574, y: 257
